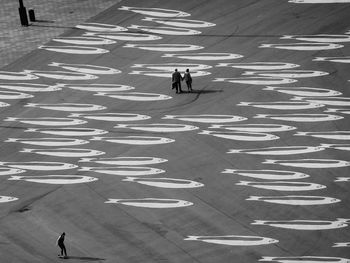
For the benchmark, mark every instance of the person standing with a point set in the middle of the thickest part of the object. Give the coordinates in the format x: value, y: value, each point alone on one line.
x: 188, y: 79
x: 60, y: 243
x: 176, y: 81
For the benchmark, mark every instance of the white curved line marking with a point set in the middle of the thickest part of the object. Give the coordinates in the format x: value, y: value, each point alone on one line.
x: 283, y: 105
x: 296, y: 200
x: 345, y: 59
x: 56, y: 179
x: 165, y: 182
x: 306, y: 259
x: 287, y: 73
x: 65, y: 152
x: 323, y: 38
x: 165, y: 30
x: 310, y: 163
x: 257, y: 80
x: 176, y: 22
x: 287, y: 150
x: 204, y: 56
x: 9, y: 171
x: 97, y: 87
x: 332, y: 101
x: 158, y: 127
x: 14, y: 95
x: 49, y: 142
x: 166, y: 74
x: 86, y: 69
x: 84, y: 40
x: 78, y: 50
x: 304, y: 224
x: 5, y: 199
x: 159, y: 12
x: 241, y: 136
x: 234, y: 240
x: 124, y: 36
x: 135, y: 96
x: 172, y: 66
x: 72, y: 107
x: 164, y: 47
x: 9, y: 75
x: 305, y: 91
x: 40, y: 166
x: 151, y: 202
x: 259, y: 65
x: 29, y: 87
x: 124, y: 170
x: 136, y: 140
x: 268, y: 174
x: 48, y: 121
x: 68, y: 131
x: 300, y: 117
x: 98, y: 27
x: 254, y: 127
x: 64, y: 75
x: 118, y: 117
x: 283, y: 185
x: 206, y: 118
x: 303, y: 46
x: 334, y: 135
x: 125, y: 161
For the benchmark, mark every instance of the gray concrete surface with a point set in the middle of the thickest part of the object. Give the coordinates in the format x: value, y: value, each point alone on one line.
x: 101, y: 232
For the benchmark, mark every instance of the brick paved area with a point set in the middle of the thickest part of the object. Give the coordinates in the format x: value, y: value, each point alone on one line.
x: 54, y: 17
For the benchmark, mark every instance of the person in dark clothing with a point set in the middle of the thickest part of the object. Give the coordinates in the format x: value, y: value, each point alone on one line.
x: 60, y: 243
x: 176, y: 81
x: 188, y: 79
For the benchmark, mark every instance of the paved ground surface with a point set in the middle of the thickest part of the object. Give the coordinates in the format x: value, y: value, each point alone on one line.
x: 53, y: 18
x: 219, y: 215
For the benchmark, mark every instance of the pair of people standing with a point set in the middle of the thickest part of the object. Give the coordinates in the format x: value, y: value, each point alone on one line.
x: 177, y: 78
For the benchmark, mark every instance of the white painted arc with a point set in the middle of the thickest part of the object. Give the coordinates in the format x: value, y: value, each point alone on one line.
x: 305, y: 259
x: 303, y: 224
x: 296, y: 200
x: 75, y: 50
x: 14, y: 95
x: 259, y: 65
x: 283, y: 105
x: 158, y: 127
x: 164, y: 47
x: 48, y: 121
x: 125, y: 161
x: 40, y: 166
x: 125, y: 36
x: 333, y: 135
x: 49, y: 142
x: 344, y: 147
x: 234, y: 240
x: 204, y: 56
x: 135, y: 96
x: 124, y: 170
x: 99, y: 27
x: 9, y: 171
x: 345, y: 59
x: 303, y: 46
x: 158, y: 12
x: 69, y: 131
x: 165, y: 30
x: 83, y: 40
x: 300, y: 117
x: 5, y: 199
x: 136, y: 140
x: 283, y: 185
x: 310, y: 163
x: 287, y: 150
x: 97, y: 87
x: 65, y: 152
x: 254, y: 127
x: 9, y: 75
x: 332, y: 101
x: 71, y: 107
x: 340, y: 110
x: 151, y: 202
x: 165, y: 182
x: 171, y: 66
x: 305, y: 91
x: 62, y: 75
x: 287, y: 73
x: 178, y: 22
x: 109, y: 116
x: 268, y: 174
x: 29, y: 87
x: 322, y: 38
x: 56, y: 179
x: 257, y: 80
x: 206, y: 118
x: 166, y: 74
x: 241, y: 136
x: 86, y: 69
x: 341, y: 244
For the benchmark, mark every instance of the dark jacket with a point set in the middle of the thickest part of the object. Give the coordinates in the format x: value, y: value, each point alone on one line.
x: 176, y: 77
x: 187, y: 77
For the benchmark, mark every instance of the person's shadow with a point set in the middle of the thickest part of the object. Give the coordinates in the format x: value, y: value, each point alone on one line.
x: 85, y: 258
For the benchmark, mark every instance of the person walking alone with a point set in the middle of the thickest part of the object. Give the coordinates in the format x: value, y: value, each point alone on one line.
x: 60, y: 243
x: 188, y: 79
x: 176, y: 81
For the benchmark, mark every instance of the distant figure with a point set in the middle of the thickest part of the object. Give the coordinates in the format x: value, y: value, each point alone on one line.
x: 176, y: 81
x: 60, y: 243
x: 188, y: 79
